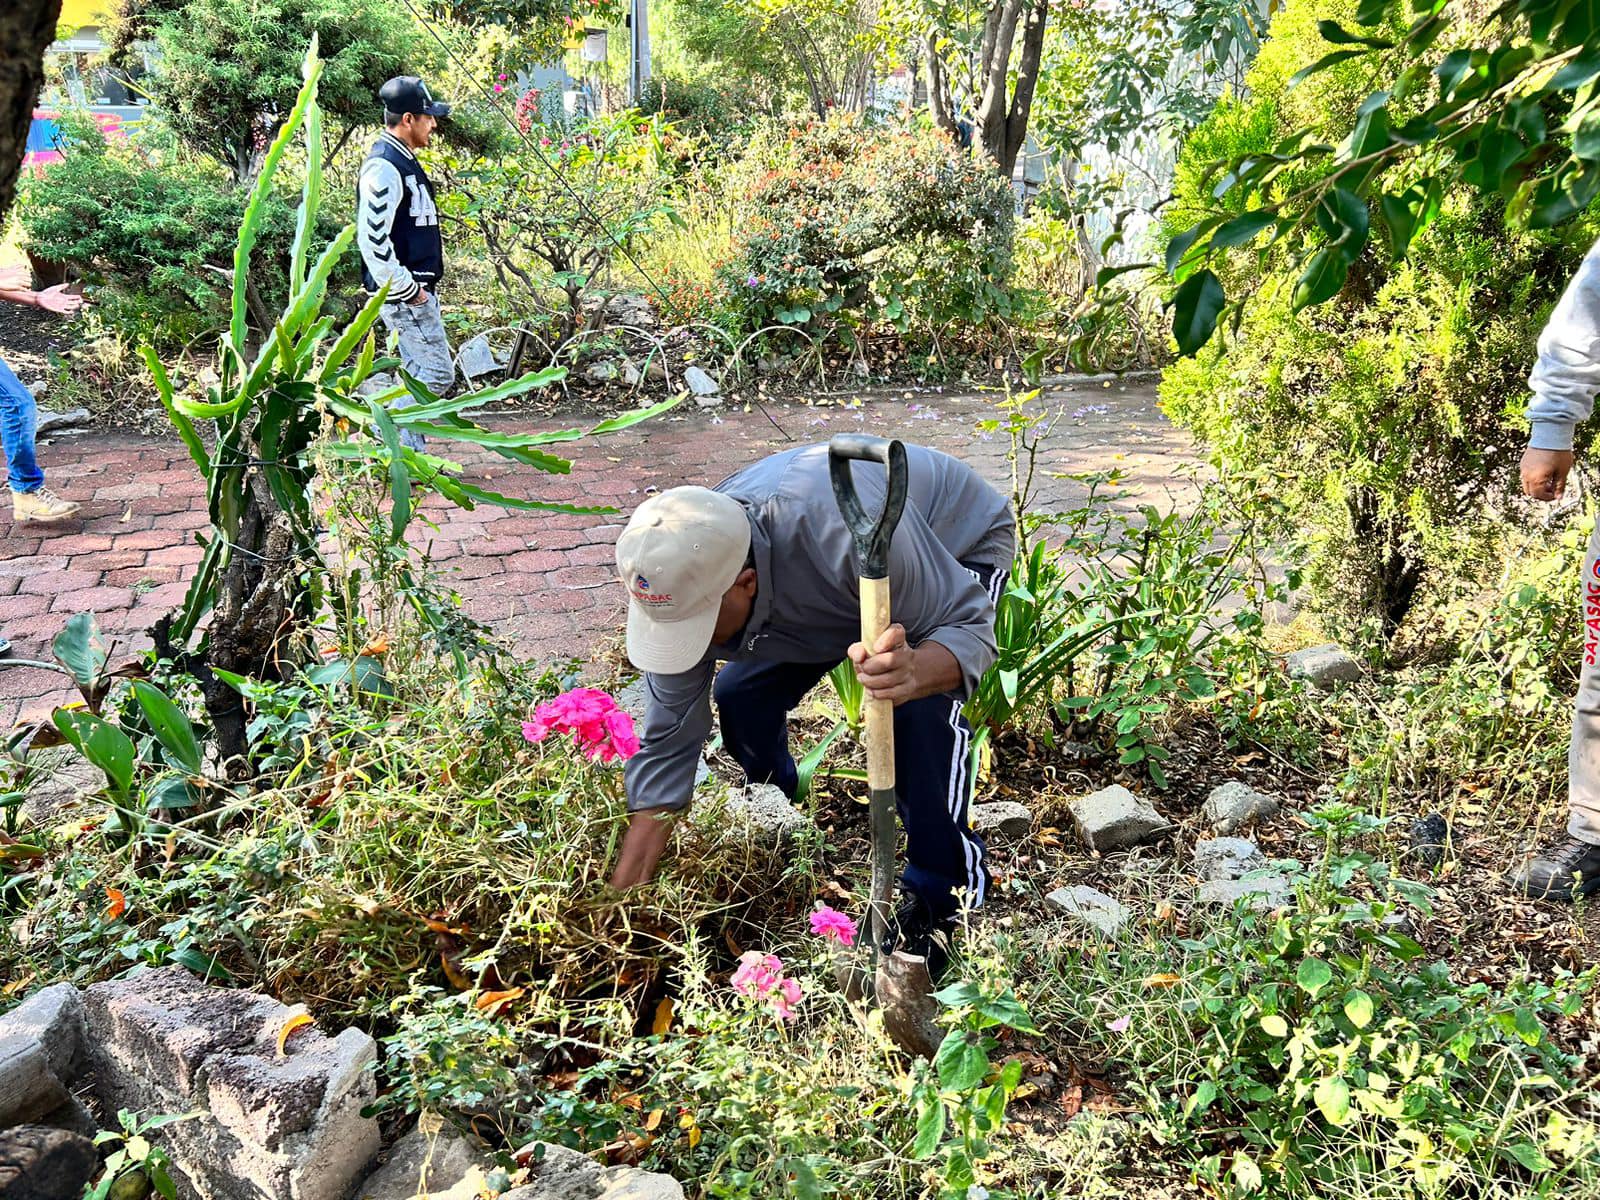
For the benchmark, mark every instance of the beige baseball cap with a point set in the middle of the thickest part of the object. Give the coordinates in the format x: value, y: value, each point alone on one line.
x: 680, y: 552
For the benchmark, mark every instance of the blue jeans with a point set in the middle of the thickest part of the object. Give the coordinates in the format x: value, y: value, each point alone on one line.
x: 19, y: 417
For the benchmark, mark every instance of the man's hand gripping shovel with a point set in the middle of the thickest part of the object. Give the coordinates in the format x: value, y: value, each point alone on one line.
x: 901, y: 984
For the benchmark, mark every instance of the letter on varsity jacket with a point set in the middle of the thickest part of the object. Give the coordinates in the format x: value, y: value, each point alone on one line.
x: 378, y: 199
x: 1567, y: 375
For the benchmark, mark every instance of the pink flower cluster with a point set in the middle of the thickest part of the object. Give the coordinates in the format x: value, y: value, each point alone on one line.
x: 833, y: 925
x: 760, y: 977
x: 604, y: 731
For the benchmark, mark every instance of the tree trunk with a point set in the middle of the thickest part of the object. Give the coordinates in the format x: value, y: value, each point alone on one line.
x: 26, y: 28
x: 1002, y: 113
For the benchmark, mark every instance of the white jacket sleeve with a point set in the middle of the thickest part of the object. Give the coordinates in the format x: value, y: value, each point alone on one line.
x: 378, y: 198
x: 1567, y: 375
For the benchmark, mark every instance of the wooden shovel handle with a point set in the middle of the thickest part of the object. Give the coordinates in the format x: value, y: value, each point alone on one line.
x: 879, y: 713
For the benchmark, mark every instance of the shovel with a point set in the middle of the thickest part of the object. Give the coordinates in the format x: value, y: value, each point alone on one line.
x: 901, y: 983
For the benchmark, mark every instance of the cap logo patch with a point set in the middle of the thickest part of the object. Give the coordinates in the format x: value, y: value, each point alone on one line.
x: 643, y: 594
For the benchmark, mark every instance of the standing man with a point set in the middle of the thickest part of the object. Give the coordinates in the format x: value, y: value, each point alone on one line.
x: 397, y: 228
x: 760, y: 572
x: 1564, y: 382
x: 19, y: 415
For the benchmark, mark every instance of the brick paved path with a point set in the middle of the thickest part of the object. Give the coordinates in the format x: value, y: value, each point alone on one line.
x: 531, y: 576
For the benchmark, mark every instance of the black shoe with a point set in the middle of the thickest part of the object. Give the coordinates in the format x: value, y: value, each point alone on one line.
x: 916, y: 930
x: 1565, y: 871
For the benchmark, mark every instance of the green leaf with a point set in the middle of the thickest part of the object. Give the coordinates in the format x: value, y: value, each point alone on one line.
x: 1332, y: 1097
x: 1006, y: 1010
x: 1343, y: 217
x: 1204, y: 1097
x: 204, y: 965
x: 1323, y: 63
x: 1358, y: 1008
x: 103, y: 744
x: 1196, y: 306
x: 1274, y: 1025
x: 175, y: 792
x: 930, y: 1128
x: 1325, y: 273
x: 77, y: 648
x: 171, y: 727
x: 1246, y: 1173
x: 806, y: 768
x: 185, y: 428
x: 1313, y: 975
x: 1529, y: 1156
x: 961, y: 1061
x: 1242, y: 228
x: 1333, y: 32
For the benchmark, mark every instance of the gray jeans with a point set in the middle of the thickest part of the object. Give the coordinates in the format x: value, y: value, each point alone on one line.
x: 424, y: 352
x: 424, y: 349
x: 1583, y: 757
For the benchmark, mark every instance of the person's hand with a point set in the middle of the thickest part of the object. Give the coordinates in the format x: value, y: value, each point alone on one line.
x: 58, y: 300
x: 889, y: 672
x: 15, y: 279
x: 1544, y: 472
x: 420, y: 298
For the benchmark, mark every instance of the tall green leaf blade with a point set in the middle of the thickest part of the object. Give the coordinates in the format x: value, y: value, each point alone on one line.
x: 629, y: 419
x: 185, y: 428
x: 309, y: 297
x: 311, y: 194
x: 249, y: 227
x: 429, y: 405
x: 399, y: 477
x: 486, y: 497
x: 352, y: 336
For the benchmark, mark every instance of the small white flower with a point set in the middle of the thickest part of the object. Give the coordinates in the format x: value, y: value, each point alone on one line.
x: 977, y: 1191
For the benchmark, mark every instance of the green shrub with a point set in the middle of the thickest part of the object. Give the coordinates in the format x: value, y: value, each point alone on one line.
x: 152, y: 233
x: 844, y: 224
x: 1312, y: 1052
x: 1390, y: 411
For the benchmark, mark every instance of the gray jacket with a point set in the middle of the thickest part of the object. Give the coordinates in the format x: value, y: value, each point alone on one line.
x: 1567, y: 375
x: 807, y: 605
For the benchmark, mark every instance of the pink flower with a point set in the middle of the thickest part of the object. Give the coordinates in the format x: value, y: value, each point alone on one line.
x: 1120, y: 1025
x: 832, y: 924
x: 784, y: 1000
x: 499, y: 87
x: 603, y: 731
x: 758, y: 976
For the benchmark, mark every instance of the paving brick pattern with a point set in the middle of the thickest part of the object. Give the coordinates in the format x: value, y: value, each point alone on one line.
x: 543, y: 581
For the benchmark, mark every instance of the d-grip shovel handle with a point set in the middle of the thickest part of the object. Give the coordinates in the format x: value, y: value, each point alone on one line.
x: 872, y: 538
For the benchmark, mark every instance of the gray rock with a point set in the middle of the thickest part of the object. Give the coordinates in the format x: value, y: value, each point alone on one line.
x: 271, y: 1126
x: 601, y: 372
x: 1114, y: 818
x: 764, y: 810
x: 1094, y: 908
x: 432, y: 1162
x: 476, y: 357
x: 1234, y: 805
x: 630, y: 1183
x: 1004, y: 817
x: 38, y: 1163
x: 53, y: 422
x: 54, y: 1018
x: 40, y: 388
x: 557, y: 1173
x: 630, y: 374
x: 1263, y: 891
x: 1323, y: 666
x: 28, y: 1087
x: 1227, y: 858
x: 1430, y: 837
x: 701, y: 384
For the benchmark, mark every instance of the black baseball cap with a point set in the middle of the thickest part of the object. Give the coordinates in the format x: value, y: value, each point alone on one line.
x: 408, y: 94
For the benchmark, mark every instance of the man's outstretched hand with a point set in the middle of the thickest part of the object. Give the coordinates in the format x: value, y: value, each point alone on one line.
x: 1544, y: 472
x: 896, y: 672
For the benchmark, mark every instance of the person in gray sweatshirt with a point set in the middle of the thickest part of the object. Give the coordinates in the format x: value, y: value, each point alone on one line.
x: 1564, y: 382
x: 759, y: 572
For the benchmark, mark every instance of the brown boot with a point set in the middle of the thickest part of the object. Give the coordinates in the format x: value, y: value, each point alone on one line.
x: 41, y: 505
x: 1562, y: 872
